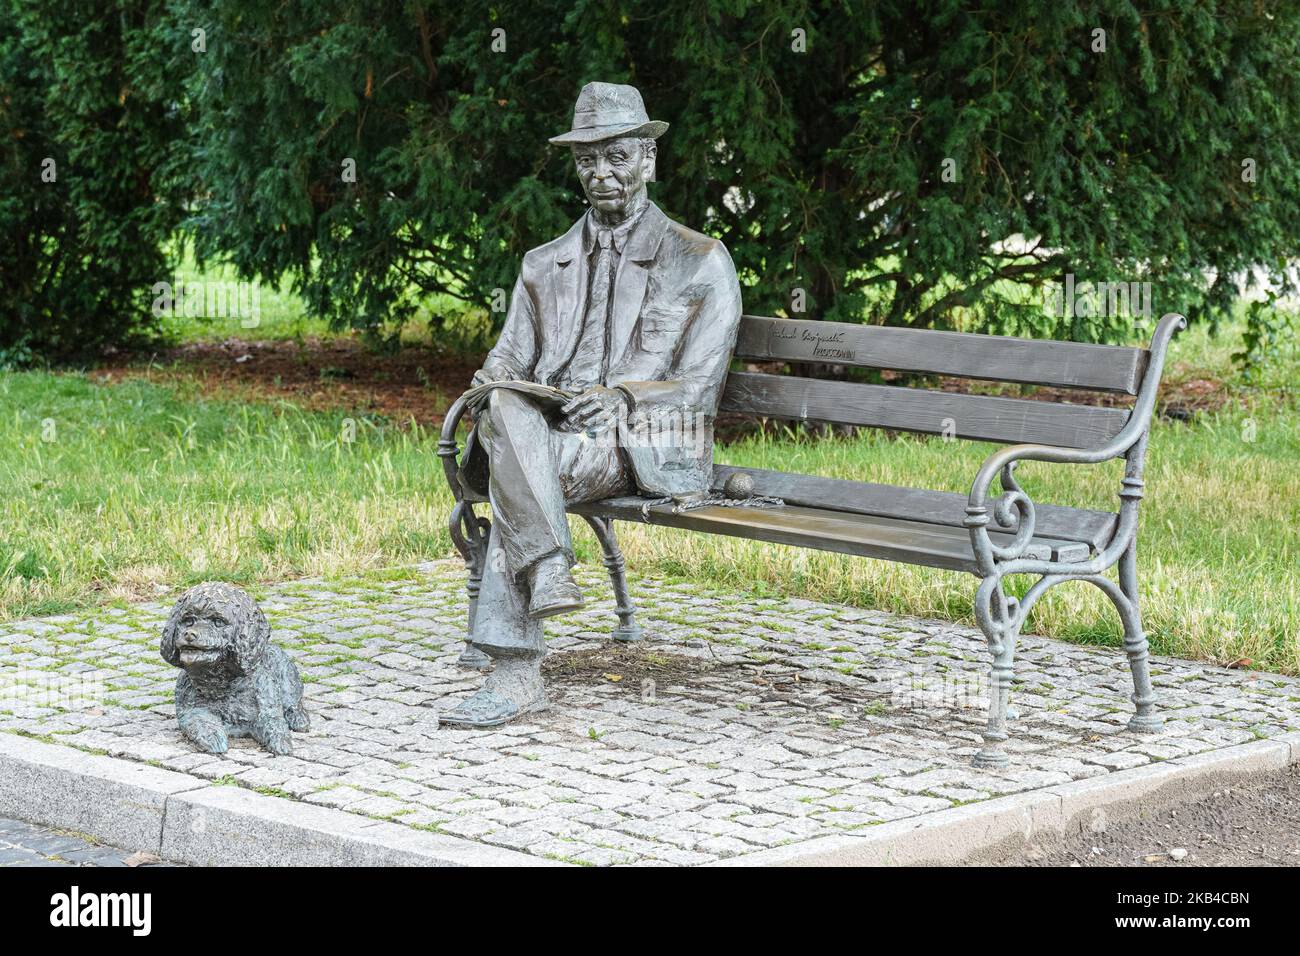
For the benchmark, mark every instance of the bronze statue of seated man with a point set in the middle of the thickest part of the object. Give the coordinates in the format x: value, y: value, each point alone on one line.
x: 634, y: 315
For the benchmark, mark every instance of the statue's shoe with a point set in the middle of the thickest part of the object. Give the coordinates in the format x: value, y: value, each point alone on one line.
x: 488, y: 709
x: 552, y: 589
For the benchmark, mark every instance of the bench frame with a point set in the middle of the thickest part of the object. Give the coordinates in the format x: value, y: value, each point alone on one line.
x: 1000, y: 616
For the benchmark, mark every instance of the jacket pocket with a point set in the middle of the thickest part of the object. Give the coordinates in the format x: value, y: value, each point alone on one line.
x: 659, y: 331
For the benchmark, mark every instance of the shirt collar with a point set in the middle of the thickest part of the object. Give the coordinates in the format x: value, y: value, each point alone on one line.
x: 619, y: 234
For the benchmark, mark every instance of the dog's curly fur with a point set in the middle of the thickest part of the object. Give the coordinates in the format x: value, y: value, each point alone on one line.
x: 234, y: 682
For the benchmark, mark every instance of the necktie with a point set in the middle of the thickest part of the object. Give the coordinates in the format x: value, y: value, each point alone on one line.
x: 598, y: 309
x: 589, y: 358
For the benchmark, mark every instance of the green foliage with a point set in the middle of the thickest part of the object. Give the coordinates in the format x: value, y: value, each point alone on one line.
x: 92, y: 88
x: 929, y: 163
x: 1268, y: 330
x: 823, y: 170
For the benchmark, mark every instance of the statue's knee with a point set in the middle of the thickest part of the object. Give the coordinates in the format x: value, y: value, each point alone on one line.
x: 483, y: 426
x: 503, y: 407
x: 501, y: 399
x: 490, y: 416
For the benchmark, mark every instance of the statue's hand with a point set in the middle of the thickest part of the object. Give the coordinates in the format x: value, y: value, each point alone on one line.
x: 490, y: 374
x: 596, y: 410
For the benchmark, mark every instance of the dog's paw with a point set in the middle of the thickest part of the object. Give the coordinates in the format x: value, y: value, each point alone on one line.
x: 298, y: 719
x: 274, y: 736
x: 211, y: 737
x: 279, y: 742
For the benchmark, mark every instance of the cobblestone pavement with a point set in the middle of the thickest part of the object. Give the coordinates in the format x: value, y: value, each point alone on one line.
x: 741, y: 723
x: 25, y: 844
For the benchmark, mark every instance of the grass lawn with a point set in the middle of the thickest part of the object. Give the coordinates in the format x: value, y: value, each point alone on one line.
x: 115, y: 492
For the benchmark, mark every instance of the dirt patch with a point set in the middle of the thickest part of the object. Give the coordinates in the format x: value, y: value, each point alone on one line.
x: 1252, y: 824
x: 418, y: 383
x: 625, y: 664
x: 414, y: 384
x: 771, y: 687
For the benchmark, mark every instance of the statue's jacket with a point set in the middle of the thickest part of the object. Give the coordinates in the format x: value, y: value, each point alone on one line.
x: 673, y: 323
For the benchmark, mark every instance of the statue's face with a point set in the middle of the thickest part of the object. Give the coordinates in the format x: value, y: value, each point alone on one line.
x: 205, y: 637
x: 614, y: 173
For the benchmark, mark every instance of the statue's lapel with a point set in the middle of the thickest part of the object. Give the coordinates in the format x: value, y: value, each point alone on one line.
x: 633, y: 272
x: 568, y: 278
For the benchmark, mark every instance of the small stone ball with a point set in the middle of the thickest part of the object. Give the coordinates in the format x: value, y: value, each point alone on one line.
x: 739, y: 485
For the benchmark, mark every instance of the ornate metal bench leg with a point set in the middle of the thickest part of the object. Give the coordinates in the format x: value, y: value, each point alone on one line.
x: 471, y: 656
x: 993, y: 755
x: 1001, y: 634
x: 470, y: 533
x: 1145, y: 720
x: 628, y: 629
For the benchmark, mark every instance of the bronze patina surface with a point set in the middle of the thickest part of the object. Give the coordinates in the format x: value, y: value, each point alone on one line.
x: 609, y: 370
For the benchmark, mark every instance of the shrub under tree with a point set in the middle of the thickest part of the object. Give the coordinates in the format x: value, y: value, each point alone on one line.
x: 90, y: 145
x: 933, y: 163
x: 930, y: 163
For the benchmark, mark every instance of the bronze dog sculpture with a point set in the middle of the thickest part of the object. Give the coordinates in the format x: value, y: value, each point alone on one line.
x: 234, y: 682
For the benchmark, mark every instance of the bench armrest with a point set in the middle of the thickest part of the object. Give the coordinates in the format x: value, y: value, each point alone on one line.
x: 468, y: 532
x: 1002, y: 462
x: 448, y: 450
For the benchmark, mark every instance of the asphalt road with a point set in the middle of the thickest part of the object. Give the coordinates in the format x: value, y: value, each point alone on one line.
x: 24, y: 844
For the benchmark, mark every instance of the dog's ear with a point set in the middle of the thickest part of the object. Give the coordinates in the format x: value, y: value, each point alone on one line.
x: 252, y: 636
x: 170, y: 653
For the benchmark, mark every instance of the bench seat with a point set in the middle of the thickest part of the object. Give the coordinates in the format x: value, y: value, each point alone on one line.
x: 916, y: 504
x: 823, y: 529
x: 861, y: 518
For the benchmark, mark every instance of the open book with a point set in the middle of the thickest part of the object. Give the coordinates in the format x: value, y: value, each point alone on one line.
x: 546, y: 394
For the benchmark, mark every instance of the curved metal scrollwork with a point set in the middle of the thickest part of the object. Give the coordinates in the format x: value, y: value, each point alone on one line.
x: 1001, y: 616
x: 1012, y: 499
x: 468, y: 531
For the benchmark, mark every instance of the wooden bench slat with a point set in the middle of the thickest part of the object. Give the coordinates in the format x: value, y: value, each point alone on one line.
x: 999, y: 358
x: 977, y: 417
x: 916, y: 504
x: 869, y: 536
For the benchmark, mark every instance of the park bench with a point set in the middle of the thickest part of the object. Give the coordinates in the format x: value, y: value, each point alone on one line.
x: 990, y: 535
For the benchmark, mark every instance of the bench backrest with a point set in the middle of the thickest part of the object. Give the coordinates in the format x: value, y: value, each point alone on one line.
x: 966, y: 355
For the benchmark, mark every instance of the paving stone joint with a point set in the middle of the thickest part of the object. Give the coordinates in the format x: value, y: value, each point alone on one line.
x: 740, y: 726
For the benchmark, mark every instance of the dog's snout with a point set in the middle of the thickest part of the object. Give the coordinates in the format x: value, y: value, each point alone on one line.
x: 198, y: 638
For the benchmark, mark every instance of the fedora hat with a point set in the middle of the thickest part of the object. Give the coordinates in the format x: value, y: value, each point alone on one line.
x: 607, y: 110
